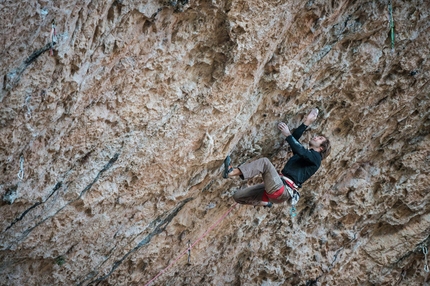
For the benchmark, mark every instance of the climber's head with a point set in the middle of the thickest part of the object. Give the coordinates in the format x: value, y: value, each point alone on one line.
x: 321, y: 144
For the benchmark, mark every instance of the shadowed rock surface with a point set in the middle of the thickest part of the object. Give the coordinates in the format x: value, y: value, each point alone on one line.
x: 111, y: 148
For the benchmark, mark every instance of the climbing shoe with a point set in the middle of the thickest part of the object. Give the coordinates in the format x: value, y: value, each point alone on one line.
x: 227, y: 167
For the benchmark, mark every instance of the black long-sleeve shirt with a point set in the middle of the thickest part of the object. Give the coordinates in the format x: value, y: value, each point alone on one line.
x: 304, y: 163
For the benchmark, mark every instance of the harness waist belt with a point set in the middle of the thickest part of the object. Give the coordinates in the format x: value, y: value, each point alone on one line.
x: 289, y: 182
x: 292, y: 189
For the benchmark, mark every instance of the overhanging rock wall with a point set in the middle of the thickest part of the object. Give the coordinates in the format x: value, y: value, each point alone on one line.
x: 111, y: 147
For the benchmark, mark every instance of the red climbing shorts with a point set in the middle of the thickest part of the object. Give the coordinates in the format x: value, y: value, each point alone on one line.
x: 275, y: 195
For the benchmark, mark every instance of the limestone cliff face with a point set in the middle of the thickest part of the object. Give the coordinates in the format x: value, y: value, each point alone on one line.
x: 111, y: 147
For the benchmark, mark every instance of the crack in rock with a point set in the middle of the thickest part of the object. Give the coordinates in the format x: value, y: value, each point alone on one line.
x: 56, y: 188
x: 88, y: 187
x: 160, y: 226
x: 417, y: 249
x: 105, y: 168
x: 12, y: 78
x: 335, y: 257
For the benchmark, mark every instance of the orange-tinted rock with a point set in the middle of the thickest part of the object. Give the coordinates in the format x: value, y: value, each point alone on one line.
x: 124, y: 129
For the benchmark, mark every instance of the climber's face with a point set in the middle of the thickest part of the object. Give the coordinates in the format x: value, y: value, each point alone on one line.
x: 317, y: 141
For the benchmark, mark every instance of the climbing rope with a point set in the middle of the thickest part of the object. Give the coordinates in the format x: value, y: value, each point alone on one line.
x: 189, y: 248
x: 426, y: 266
x: 21, y: 168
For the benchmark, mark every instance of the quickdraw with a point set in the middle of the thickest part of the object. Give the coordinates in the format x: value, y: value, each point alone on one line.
x: 293, y: 211
x: 189, y: 251
x: 390, y: 9
x: 426, y: 266
x: 52, y: 38
x: 27, y: 105
x: 21, y: 168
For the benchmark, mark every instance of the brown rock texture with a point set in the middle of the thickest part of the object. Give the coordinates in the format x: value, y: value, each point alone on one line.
x: 112, y: 147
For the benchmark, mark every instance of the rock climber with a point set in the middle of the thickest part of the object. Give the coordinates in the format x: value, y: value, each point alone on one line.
x: 278, y: 188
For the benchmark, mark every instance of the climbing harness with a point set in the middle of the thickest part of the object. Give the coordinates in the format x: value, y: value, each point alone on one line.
x: 426, y: 266
x: 390, y: 9
x: 21, y: 168
x: 294, y: 194
x: 188, y: 250
x: 52, y: 38
x: 292, y: 189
